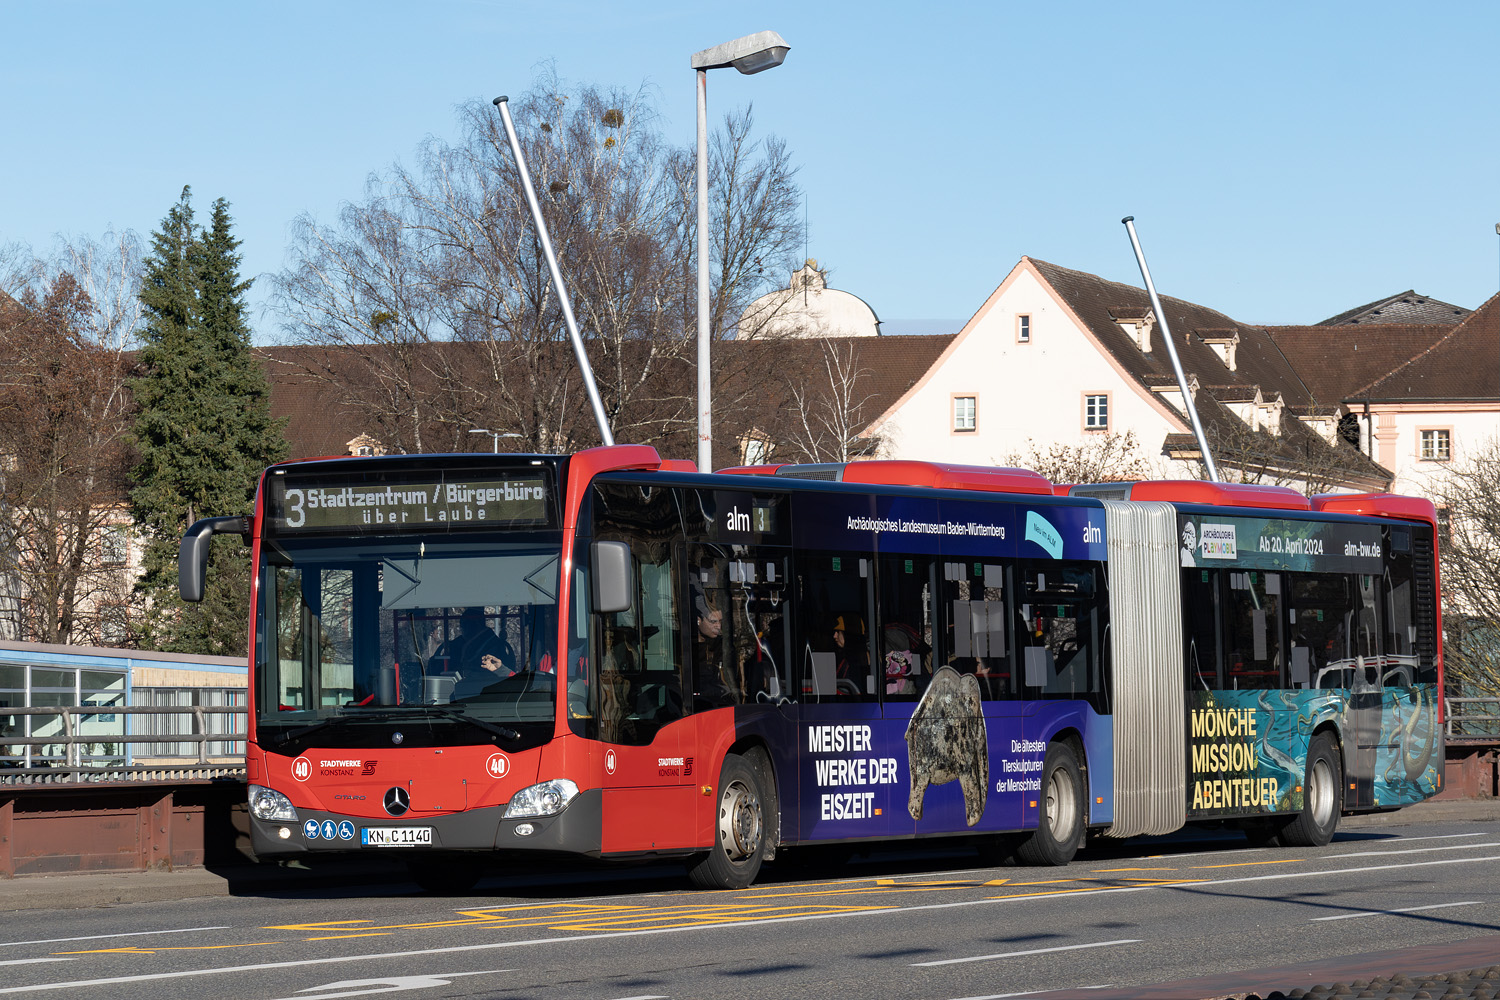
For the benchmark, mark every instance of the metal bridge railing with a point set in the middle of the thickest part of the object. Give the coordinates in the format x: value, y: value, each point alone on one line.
x: 1475, y: 718
x: 73, y: 755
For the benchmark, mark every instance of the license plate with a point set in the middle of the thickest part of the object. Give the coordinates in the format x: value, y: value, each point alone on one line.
x: 396, y: 836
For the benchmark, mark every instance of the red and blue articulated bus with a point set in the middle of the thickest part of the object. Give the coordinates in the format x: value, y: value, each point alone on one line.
x: 612, y: 656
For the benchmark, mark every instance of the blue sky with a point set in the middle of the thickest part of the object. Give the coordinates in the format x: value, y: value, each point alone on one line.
x: 1284, y: 161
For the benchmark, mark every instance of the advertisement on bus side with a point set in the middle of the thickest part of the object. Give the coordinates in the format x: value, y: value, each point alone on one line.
x: 977, y: 529
x: 1247, y: 750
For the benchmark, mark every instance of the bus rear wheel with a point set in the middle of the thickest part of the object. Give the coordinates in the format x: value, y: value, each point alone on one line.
x: 1322, y: 796
x: 739, y: 830
x: 1060, y: 827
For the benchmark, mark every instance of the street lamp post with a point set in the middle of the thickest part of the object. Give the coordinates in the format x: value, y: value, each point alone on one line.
x: 494, y: 435
x: 761, y: 51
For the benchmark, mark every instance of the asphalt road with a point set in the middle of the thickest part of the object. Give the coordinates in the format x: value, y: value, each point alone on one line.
x: 1419, y: 889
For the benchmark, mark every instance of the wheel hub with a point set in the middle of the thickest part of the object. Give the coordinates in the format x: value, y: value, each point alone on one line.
x: 739, y: 822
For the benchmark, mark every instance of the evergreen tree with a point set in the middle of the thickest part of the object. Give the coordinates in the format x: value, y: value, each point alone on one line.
x: 203, y: 427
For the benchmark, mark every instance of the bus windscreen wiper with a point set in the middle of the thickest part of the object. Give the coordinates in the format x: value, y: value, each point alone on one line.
x: 308, y: 730
x: 504, y: 732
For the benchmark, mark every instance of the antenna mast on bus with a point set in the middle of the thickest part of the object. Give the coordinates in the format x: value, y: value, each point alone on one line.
x: 562, y: 290
x: 1161, y: 317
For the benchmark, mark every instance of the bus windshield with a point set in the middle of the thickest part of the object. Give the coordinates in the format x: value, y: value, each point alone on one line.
x: 452, y: 640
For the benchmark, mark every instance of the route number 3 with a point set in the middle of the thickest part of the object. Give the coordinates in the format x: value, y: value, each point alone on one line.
x: 295, y: 515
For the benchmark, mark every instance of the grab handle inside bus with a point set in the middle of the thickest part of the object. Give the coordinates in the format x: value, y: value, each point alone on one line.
x: 192, y: 555
x: 612, y: 577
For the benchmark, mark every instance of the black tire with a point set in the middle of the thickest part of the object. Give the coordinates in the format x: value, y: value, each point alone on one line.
x: 739, y: 830
x: 1063, y: 818
x: 1322, y: 796
x: 445, y: 877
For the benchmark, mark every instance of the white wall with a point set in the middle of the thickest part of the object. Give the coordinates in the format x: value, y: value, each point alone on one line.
x: 1033, y: 390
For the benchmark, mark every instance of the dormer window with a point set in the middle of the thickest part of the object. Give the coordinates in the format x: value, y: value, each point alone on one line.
x: 1223, y: 343
x: 1137, y: 323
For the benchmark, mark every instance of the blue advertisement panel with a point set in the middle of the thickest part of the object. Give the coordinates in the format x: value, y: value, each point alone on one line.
x: 923, y: 525
x: 1247, y: 750
x: 1210, y: 540
x: 948, y: 763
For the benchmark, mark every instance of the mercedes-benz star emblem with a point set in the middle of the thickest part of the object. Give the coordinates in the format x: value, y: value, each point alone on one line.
x: 397, y: 801
x: 397, y: 737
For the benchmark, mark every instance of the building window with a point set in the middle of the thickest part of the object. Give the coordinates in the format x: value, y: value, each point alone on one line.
x: 1023, y: 329
x: 1096, y: 412
x: 1437, y: 445
x: 113, y: 545
x: 965, y: 409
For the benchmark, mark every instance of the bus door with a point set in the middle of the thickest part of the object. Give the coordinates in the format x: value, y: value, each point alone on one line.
x: 639, y: 699
x: 1060, y: 609
x: 975, y: 639
x: 850, y: 762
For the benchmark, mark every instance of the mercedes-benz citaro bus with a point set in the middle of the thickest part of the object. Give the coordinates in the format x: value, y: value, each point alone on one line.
x: 610, y: 655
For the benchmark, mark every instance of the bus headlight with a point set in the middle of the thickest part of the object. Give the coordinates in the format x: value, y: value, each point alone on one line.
x: 546, y: 799
x: 270, y: 805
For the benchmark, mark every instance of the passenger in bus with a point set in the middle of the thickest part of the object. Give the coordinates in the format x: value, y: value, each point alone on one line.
x: 905, y: 665
x: 852, y: 655
x: 711, y: 687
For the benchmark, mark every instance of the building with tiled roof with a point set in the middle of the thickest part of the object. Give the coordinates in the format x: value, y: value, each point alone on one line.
x: 1438, y: 405
x: 1053, y: 356
x: 1058, y: 355
x: 1405, y: 308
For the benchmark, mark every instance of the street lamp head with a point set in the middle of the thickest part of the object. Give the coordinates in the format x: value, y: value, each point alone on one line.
x: 752, y: 54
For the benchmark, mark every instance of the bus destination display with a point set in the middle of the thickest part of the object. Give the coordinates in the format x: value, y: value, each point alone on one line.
x: 514, y: 501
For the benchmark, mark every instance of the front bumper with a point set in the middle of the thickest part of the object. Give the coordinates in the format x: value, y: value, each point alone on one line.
x: 575, y: 830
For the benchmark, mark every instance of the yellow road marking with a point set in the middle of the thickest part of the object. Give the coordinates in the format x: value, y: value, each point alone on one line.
x: 324, y: 925
x: 1247, y: 864
x: 136, y: 950
x: 340, y: 937
x: 1054, y: 892
x: 1104, y: 871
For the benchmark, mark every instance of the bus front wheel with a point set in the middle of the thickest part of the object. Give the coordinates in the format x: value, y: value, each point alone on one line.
x: 1322, y: 796
x: 739, y: 830
x: 1060, y: 826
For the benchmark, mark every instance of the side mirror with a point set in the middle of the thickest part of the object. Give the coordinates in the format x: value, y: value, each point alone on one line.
x: 612, y: 577
x: 192, y: 554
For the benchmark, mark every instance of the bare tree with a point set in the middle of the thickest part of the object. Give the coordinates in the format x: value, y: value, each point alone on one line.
x: 64, y: 567
x: 1107, y: 458
x: 1467, y: 495
x: 828, y: 408
x: 435, y: 293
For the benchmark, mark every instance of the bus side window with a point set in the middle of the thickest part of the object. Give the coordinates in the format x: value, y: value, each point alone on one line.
x: 905, y: 585
x: 1254, y: 644
x: 1399, y: 623
x: 834, y: 591
x: 1062, y: 611
x: 1321, y: 616
x: 975, y: 636
x: 1201, y: 621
